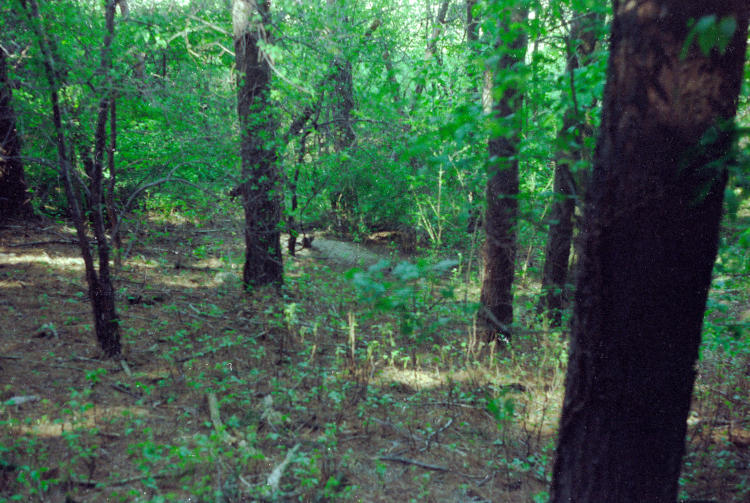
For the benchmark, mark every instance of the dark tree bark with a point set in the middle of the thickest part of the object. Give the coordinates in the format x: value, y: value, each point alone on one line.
x: 260, y: 188
x: 650, y: 240
x: 343, y: 86
x: 581, y: 43
x: 101, y: 290
x: 14, y: 199
x: 293, y: 225
x: 496, y: 309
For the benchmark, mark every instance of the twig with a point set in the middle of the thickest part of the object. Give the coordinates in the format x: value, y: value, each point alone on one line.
x: 94, y: 483
x: 209, y: 24
x: 407, y: 461
x: 213, y: 411
x: 274, y: 479
x: 427, y: 466
x: 18, y: 400
x: 146, y: 186
x: 437, y: 432
x: 412, y: 436
x: 123, y: 389
x: 85, y: 359
x: 69, y: 367
x: 126, y: 368
x: 10, y: 357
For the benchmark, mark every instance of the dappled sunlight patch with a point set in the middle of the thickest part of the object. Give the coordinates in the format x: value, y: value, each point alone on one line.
x: 62, y: 262
x: 11, y: 284
x: 412, y: 378
x: 91, y: 418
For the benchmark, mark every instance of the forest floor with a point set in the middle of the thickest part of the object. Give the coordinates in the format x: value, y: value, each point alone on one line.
x: 346, y: 386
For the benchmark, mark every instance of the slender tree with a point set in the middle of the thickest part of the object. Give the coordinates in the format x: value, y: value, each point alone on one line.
x: 260, y: 186
x: 496, y: 309
x: 651, y: 229
x: 580, y: 45
x: 101, y: 290
x: 14, y: 198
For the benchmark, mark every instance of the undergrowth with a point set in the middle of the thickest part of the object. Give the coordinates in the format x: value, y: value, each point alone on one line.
x: 359, y: 385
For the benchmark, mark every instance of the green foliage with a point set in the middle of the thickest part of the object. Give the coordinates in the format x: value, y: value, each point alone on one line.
x: 417, y: 163
x: 710, y: 32
x: 405, y: 289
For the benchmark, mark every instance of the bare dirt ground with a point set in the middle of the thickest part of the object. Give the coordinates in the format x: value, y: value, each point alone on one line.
x: 303, y: 395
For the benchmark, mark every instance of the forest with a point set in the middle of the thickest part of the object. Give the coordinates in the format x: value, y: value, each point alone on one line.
x: 375, y: 251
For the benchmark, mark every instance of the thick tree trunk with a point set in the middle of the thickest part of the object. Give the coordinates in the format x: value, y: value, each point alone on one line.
x: 260, y: 188
x: 496, y: 310
x: 14, y: 199
x: 651, y: 230
x: 581, y: 43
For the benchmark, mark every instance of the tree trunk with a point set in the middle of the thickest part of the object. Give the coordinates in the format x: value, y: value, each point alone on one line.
x: 292, y: 220
x: 496, y: 310
x: 651, y: 230
x: 581, y: 43
x: 260, y: 188
x: 101, y: 290
x: 343, y: 85
x: 14, y: 199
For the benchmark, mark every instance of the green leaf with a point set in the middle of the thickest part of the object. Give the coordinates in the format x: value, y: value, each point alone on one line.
x: 406, y: 271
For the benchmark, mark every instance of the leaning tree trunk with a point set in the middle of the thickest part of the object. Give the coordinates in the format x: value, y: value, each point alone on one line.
x: 260, y: 187
x: 14, y: 199
x: 651, y: 230
x: 496, y: 300
x: 581, y: 43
